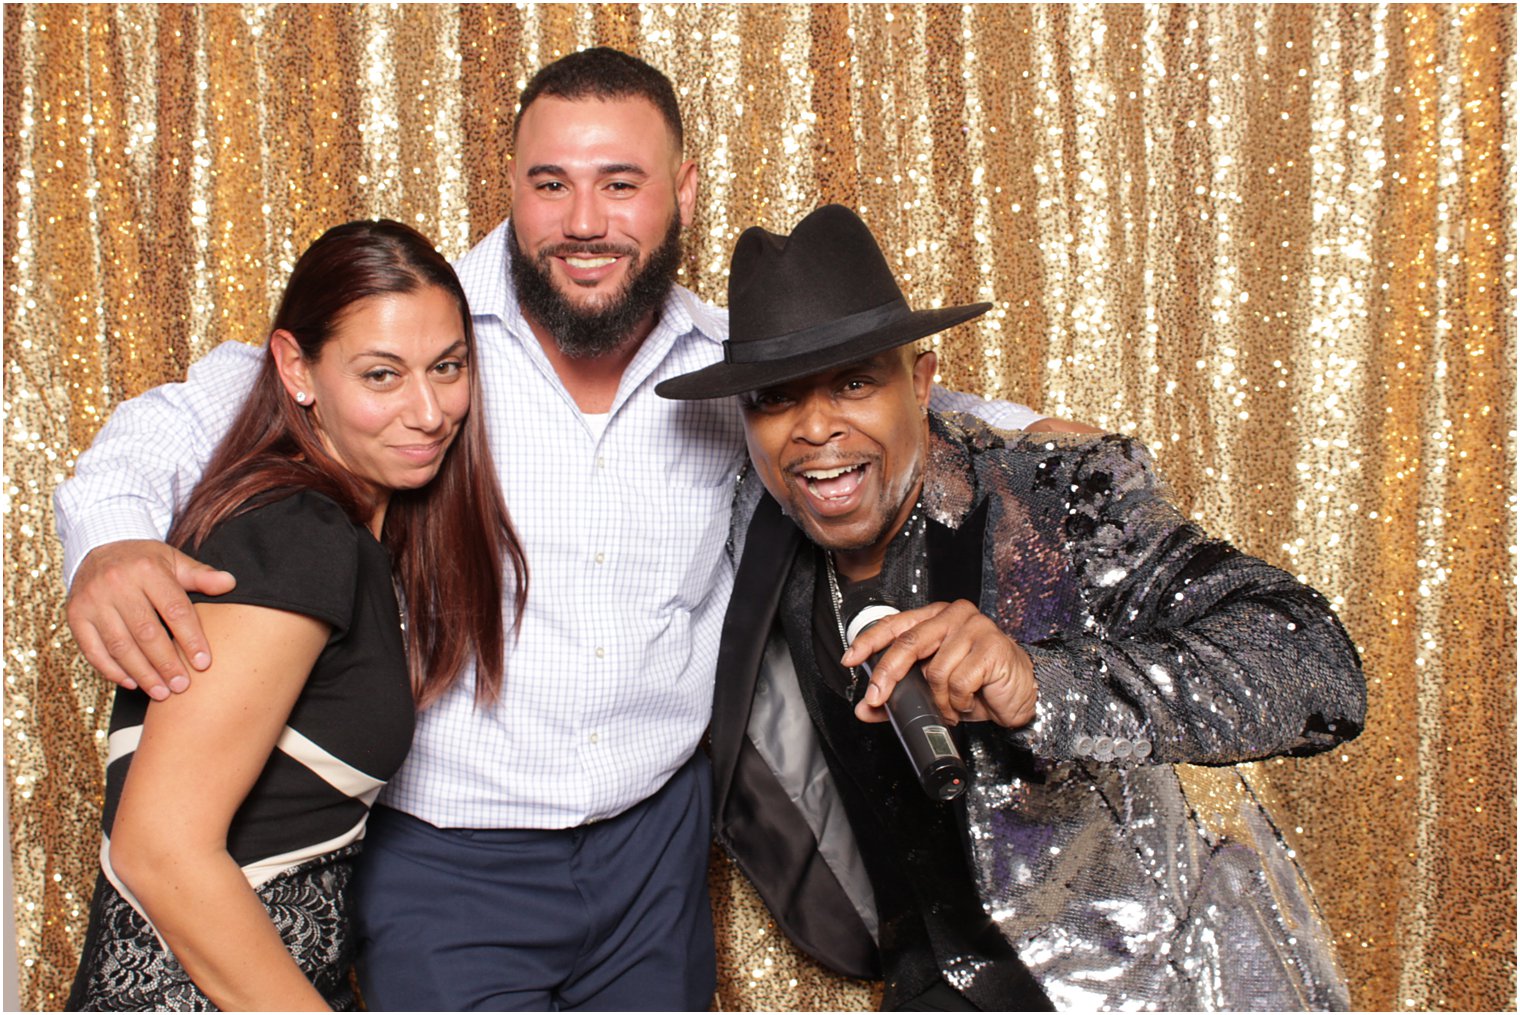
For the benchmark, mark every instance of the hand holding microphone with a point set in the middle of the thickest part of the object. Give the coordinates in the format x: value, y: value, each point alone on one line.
x: 973, y: 670
x: 910, y: 707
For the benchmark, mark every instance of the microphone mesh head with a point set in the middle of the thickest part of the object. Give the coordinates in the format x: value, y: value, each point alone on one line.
x: 865, y: 616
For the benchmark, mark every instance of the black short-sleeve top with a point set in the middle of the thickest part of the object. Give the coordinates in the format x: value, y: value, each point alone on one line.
x: 352, y: 723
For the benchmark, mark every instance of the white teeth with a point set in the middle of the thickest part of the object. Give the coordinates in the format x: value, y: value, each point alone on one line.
x: 589, y: 262
x: 828, y: 473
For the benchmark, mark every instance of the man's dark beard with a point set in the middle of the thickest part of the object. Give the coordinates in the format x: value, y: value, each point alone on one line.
x: 586, y: 332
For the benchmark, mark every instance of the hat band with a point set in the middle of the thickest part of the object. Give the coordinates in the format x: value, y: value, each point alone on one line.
x: 820, y: 336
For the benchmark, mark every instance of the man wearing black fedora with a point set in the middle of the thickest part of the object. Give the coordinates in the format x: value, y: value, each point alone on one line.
x: 1077, y: 636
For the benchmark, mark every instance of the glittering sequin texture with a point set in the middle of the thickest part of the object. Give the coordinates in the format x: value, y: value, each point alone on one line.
x: 1152, y: 643
x: 1274, y: 242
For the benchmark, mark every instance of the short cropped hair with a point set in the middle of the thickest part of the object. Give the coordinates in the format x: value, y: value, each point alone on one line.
x: 603, y: 73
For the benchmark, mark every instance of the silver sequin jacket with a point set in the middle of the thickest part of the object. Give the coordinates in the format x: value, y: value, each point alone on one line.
x: 1123, y: 881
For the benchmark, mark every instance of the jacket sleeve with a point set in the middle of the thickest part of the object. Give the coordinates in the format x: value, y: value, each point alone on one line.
x: 150, y: 454
x: 1193, y: 652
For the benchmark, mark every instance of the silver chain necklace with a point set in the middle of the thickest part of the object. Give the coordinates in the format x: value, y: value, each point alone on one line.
x: 914, y: 524
x: 836, y: 599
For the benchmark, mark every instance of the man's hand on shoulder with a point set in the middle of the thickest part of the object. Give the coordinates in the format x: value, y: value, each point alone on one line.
x: 974, y: 670
x: 123, y: 595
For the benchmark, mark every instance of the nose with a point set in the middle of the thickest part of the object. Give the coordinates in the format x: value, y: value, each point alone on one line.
x: 424, y: 410
x: 816, y: 422
x: 585, y: 218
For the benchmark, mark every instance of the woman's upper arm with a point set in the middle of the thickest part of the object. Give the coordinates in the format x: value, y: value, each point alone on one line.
x: 202, y: 751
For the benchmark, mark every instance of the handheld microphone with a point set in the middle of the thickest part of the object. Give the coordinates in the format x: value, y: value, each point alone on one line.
x: 931, y: 751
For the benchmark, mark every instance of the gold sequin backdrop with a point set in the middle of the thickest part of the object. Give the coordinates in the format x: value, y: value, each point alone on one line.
x: 1277, y: 243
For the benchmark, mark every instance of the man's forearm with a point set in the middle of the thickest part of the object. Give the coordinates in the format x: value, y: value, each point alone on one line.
x: 150, y: 454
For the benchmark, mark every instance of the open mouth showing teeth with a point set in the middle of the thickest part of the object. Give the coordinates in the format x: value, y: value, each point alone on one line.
x: 589, y: 262
x: 835, y: 483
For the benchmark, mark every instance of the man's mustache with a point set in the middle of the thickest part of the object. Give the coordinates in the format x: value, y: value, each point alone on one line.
x: 586, y: 250
x: 826, y: 459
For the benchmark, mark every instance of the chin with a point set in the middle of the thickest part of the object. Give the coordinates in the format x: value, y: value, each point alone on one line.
x: 838, y: 539
x: 593, y: 297
x: 413, y: 481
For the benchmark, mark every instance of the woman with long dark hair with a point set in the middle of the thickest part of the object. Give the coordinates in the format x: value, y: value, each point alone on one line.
x: 355, y: 471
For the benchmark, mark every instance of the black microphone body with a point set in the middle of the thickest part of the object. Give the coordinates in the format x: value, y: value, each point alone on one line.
x: 924, y: 735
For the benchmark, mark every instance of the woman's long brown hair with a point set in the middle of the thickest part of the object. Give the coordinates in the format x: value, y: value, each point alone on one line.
x: 448, y: 540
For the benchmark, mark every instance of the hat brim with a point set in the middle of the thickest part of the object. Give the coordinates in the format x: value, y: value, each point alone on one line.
x: 724, y: 379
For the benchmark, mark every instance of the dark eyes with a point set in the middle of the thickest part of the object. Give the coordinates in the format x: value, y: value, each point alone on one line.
x: 621, y: 187
x: 773, y: 401
x: 384, y: 377
x: 764, y: 401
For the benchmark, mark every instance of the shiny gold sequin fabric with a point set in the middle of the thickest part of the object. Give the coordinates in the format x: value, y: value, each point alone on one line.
x: 1275, y: 243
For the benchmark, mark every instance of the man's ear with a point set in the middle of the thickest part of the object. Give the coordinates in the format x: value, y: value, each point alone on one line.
x: 294, y: 371
x: 686, y: 191
x: 923, y: 376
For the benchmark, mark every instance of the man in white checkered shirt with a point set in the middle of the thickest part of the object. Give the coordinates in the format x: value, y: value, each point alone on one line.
x: 549, y: 851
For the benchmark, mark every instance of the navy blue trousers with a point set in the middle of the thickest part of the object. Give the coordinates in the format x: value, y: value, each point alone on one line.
x: 608, y: 916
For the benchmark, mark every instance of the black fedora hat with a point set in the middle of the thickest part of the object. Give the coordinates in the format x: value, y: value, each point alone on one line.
x: 820, y: 298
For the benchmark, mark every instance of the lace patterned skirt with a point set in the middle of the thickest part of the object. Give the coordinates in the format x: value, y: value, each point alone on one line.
x: 125, y: 967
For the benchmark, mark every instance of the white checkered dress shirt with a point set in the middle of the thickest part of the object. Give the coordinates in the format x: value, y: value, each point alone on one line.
x: 608, y: 688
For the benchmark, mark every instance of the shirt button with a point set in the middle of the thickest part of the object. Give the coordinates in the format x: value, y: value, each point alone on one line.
x: 601, y: 558
x: 601, y: 652
x: 601, y: 463
x: 595, y: 738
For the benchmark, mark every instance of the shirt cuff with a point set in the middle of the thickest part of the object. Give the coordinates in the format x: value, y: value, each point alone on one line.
x: 107, y: 523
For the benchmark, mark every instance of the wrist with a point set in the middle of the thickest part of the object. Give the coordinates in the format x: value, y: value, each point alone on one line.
x: 1021, y: 693
x: 83, y: 536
